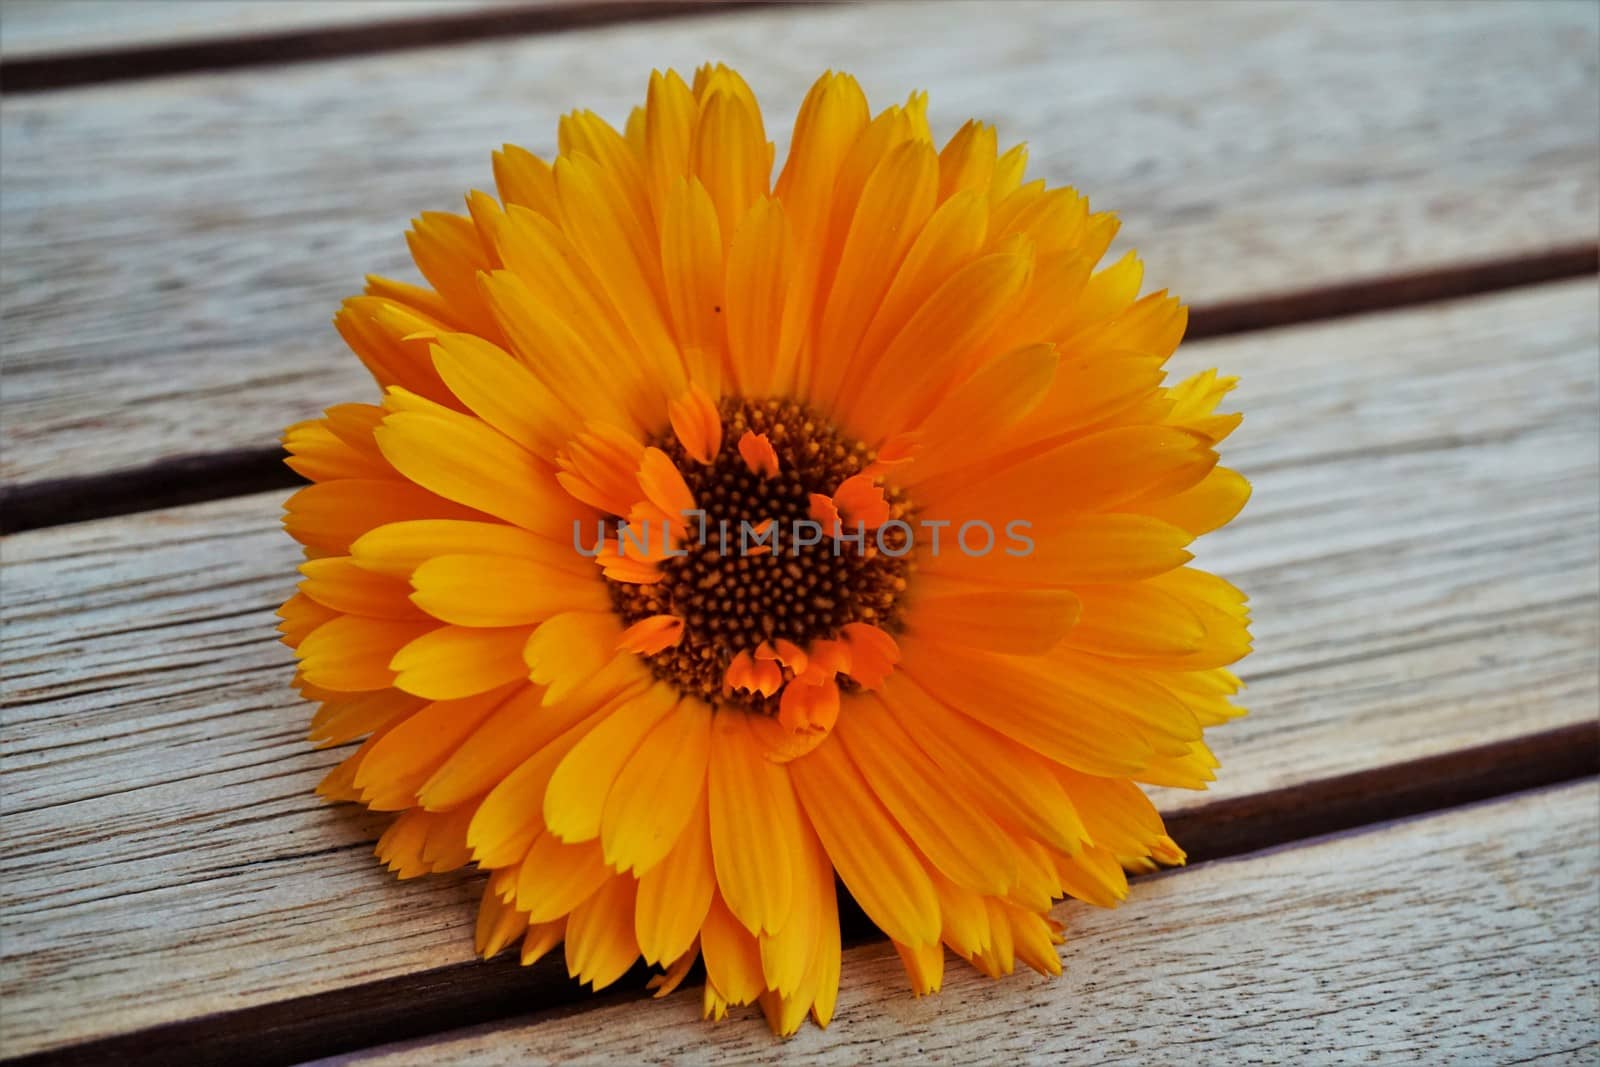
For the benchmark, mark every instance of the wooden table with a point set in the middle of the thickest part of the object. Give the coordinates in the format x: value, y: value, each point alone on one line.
x: 1385, y: 218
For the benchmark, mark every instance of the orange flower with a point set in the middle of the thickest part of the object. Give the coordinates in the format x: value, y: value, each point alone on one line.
x: 715, y: 536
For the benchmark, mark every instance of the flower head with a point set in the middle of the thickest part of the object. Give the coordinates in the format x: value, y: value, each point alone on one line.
x: 719, y: 534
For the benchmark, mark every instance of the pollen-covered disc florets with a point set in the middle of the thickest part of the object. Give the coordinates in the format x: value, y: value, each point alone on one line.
x: 757, y: 567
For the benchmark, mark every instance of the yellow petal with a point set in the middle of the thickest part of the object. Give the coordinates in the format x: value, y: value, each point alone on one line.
x: 600, y: 945
x: 399, y: 548
x: 1019, y: 698
x: 908, y: 380
x: 968, y: 160
x: 971, y: 423
x: 330, y: 516
x: 895, y: 204
x: 488, y: 591
x: 569, y: 648
x: 1134, y: 619
x: 498, y: 925
x: 467, y: 461
x: 345, y: 717
x: 653, y: 634
x: 946, y: 825
x: 503, y: 392
x: 1017, y: 785
x: 760, y: 350
x: 576, y: 797
x: 458, y: 661
x: 951, y: 239
x: 872, y: 856
x: 1208, y: 504
x: 656, y: 791
x: 541, y: 938
x: 337, y: 582
x: 1080, y: 549
x: 556, y: 877
x: 731, y: 156
x: 393, y: 772
x: 522, y: 727
x: 626, y: 263
x: 733, y: 961
x: 351, y: 654
x: 692, y: 269
x: 754, y: 827
x: 509, y: 819
x: 670, y: 113
x: 587, y: 134
x: 924, y: 966
x: 450, y: 254
x: 663, y: 484
x: 675, y: 894
x: 1020, y: 622
x: 525, y: 180
x: 1093, y: 473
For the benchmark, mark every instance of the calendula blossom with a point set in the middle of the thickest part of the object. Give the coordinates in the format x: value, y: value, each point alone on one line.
x: 716, y: 535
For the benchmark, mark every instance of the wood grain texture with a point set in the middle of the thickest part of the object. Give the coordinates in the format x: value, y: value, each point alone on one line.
x: 1421, y: 551
x: 39, y: 28
x: 175, y: 247
x: 99, y: 42
x: 1468, y: 936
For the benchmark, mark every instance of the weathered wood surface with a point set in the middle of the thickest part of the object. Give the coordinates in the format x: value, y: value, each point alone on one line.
x: 174, y: 247
x: 36, y: 28
x: 1421, y: 552
x: 1469, y: 936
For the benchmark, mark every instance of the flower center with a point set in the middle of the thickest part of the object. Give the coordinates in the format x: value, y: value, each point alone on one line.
x: 758, y: 568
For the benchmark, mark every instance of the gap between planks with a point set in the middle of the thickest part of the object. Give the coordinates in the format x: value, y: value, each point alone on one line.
x: 478, y: 992
x: 214, y: 476
x: 311, y: 43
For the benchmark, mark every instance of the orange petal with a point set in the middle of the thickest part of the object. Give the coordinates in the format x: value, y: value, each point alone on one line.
x: 768, y: 676
x: 823, y: 510
x: 663, y: 485
x: 896, y: 451
x: 860, y: 501
x: 741, y: 673
x: 791, y: 655
x: 828, y: 658
x: 873, y: 654
x: 809, y: 708
x: 623, y: 569
x: 758, y: 454
x: 696, y: 422
x: 652, y: 635
x: 599, y: 467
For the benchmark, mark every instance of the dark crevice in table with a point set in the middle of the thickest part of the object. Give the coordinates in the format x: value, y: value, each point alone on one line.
x: 1364, y: 295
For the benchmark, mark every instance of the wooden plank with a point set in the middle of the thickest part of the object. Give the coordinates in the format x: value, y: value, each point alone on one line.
x: 1421, y: 552
x: 92, y: 42
x: 1470, y: 935
x: 35, y: 29
x: 175, y: 247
